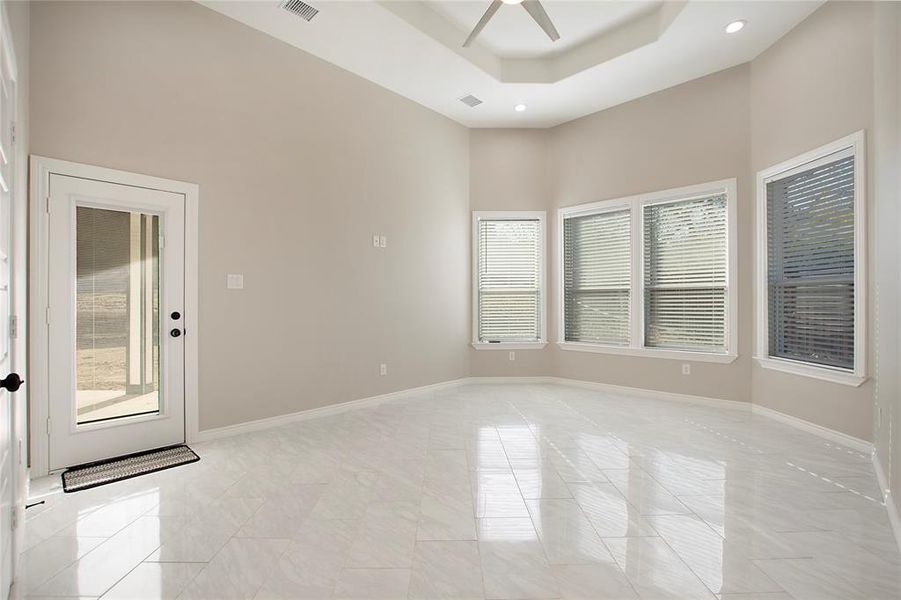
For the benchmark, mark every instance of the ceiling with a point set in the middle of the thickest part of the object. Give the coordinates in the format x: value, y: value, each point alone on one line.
x: 512, y: 33
x: 609, y: 52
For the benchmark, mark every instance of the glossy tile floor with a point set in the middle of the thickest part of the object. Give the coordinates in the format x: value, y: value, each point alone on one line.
x: 484, y: 491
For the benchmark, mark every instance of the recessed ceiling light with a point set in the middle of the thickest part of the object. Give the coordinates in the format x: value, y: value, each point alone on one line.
x: 736, y: 26
x: 519, y: 107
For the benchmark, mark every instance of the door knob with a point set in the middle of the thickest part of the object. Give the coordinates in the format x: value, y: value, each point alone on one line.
x: 11, y: 382
x: 175, y: 332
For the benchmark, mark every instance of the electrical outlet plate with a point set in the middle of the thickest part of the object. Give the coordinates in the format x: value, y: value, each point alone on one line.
x: 375, y: 241
x: 383, y: 369
x: 686, y: 369
x: 383, y: 241
x: 234, y: 281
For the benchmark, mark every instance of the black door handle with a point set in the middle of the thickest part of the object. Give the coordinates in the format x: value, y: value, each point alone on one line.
x: 175, y: 332
x: 12, y: 382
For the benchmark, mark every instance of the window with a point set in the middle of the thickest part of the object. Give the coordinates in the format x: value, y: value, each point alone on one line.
x: 508, y: 251
x: 810, y: 289
x: 685, y: 265
x: 663, y: 291
x: 597, y: 278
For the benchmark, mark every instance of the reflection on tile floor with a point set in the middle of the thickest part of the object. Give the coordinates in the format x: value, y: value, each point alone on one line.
x: 484, y: 491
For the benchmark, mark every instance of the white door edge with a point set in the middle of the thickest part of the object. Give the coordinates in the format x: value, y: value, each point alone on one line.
x: 41, y: 168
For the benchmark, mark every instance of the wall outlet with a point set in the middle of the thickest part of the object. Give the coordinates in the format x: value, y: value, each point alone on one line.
x: 383, y: 369
x: 383, y: 241
x: 686, y: 369
x: 513, y: 356
x: 375, y: 240
x: 234, y: 281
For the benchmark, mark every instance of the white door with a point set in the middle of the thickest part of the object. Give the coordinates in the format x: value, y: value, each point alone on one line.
x: 116, y: 315
x: 8, y: 470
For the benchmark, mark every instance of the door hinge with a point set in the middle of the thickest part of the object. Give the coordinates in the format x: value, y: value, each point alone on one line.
x: 47, y: 315
x: 13, y: 326
x: 48, y: 425
x: 12, y: 132
x: 48, y: 205
x: 13, y: 518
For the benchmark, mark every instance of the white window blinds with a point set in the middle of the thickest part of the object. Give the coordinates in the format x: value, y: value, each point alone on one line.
x: 810, y: 263
x: 597, y: 277
x: 685, y: 274
x: 509, y: 280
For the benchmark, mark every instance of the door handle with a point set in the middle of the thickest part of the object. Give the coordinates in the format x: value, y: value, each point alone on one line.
x: 175, y: 332
x: 11, y: 382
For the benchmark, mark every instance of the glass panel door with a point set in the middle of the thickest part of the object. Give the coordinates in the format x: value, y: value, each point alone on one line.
x: 116, y: 320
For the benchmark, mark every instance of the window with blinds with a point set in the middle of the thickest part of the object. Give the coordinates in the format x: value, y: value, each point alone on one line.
x: 509, y: 279
x: 597, y: 275
x: 810, y: 237
x: 685, y: 250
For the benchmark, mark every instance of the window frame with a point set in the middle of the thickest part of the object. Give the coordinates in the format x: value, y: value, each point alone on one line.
x: 856, y: 143
x: 635, y: 204
x: 511, y: 215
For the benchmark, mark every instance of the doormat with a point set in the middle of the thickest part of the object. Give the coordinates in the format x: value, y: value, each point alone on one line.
x: 101, y: 472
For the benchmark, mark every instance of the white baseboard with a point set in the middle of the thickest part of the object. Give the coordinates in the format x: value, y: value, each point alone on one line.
x: 652, y: 394
x: 619, y: 389
x: 322, y: 411
x: 824, y: 432
x: 893, y: 516
x: 500, y: 380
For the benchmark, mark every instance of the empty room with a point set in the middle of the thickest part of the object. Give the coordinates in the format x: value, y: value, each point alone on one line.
x: 450, y: 299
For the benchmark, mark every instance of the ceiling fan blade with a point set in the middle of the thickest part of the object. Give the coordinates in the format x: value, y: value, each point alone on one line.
x: 536, y: 11
x: 492, y: 8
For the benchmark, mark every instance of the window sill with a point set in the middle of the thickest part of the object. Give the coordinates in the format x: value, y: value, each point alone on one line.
x: 509, y: 345
x: 649, y: 352
x: 812, y: 371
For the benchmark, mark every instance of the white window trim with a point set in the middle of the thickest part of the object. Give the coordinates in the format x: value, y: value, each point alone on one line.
x: 510, y: 215
x: 636, y: 298
x: 856, y: 142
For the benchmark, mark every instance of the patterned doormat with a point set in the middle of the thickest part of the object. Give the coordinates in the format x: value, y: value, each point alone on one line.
x: 101, y: 472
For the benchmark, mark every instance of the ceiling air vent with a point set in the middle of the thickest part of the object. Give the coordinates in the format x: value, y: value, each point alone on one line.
x: 470, y: 101
x: 299, y: 8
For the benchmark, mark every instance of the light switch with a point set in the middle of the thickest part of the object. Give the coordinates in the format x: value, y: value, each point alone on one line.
x: 383, y: 241
x: 234, y: 281
x: 375, y: 241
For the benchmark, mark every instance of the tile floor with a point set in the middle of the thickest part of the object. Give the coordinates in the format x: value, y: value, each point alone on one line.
x: 484, y: 491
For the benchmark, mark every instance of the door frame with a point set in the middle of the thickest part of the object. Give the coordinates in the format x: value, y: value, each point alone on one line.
x: 41, y: 168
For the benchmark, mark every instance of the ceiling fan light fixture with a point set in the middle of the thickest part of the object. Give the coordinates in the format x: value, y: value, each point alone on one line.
x: 519, y: 107
x: 512, y: 1
x: 736, y: 26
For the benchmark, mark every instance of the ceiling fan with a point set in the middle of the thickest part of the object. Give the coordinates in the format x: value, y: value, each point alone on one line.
x: 533, y: 7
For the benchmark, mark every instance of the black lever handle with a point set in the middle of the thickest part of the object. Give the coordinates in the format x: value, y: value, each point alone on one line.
x: 12, y: 382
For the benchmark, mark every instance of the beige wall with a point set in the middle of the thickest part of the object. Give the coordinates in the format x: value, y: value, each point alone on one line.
x: 509, y: 170
x: 693, y: 133
x: 729, y: 124
x: 298, y: 163
x: 811, y: 87
x: 887, y: 271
